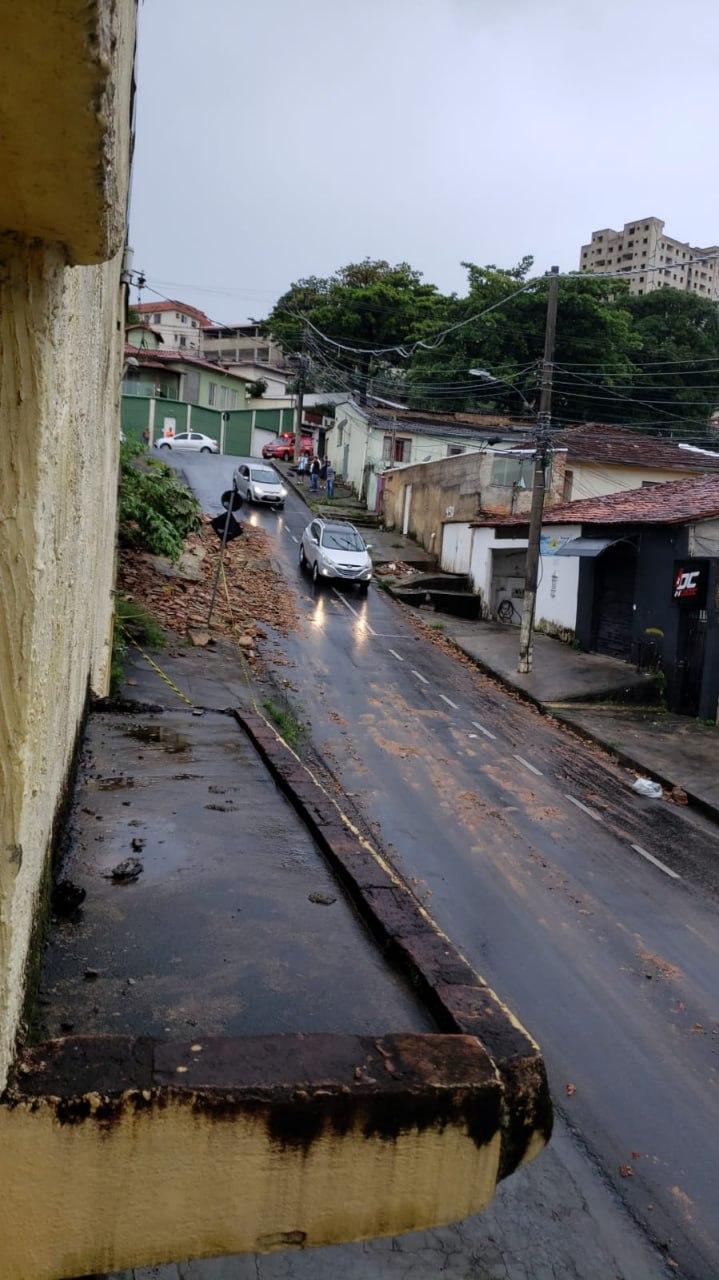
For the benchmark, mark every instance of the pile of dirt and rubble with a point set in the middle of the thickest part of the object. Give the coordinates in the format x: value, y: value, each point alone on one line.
x: 178, y: 595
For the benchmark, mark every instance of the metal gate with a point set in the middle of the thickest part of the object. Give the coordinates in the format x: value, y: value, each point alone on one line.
x: 690, y: 661
x: 614, y: 600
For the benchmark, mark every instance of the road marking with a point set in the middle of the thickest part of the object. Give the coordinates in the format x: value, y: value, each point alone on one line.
x: 357, y: 615
x: 396, y: 655
x: 419, y: 676
x: 527, y: 765
x: 662, y: 866
x: 585, y: 808
x: 486, y: 732
x: 294, y: 539
x: 444, y: 698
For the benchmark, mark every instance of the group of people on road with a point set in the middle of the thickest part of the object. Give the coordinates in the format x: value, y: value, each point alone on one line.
x: 321, y: 474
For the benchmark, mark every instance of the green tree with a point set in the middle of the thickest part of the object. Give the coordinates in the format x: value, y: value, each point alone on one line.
x: 678, y: 336
x: 594, y: 326
x: 364, y: 305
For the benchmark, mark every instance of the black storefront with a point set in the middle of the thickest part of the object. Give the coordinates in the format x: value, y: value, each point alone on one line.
x: 645, y: 598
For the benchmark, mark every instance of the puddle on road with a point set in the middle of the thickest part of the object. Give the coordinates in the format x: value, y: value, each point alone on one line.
x: 171, y: 742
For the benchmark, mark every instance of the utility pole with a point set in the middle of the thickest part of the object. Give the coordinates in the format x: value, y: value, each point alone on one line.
x: 302, y: 372
x: 544, y: 418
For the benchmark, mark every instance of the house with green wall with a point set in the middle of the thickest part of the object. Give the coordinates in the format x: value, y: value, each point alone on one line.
x: 169, y: 388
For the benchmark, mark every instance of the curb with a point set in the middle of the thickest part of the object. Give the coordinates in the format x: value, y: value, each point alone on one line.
x: 705, y: 807
x: 458, y: 998
x: 293, y: 485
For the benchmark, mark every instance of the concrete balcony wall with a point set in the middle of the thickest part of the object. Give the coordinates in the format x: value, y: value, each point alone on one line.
x: 65, y: 101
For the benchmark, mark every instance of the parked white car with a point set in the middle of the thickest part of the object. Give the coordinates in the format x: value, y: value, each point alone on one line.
x: 189, y: 440
x: 258, y: 483
x: 334, y: 549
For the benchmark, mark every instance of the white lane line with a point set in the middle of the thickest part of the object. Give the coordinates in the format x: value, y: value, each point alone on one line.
x: 444, y: 698
x: 584, y: 808
x: 419, y: 676
x: 527, y: 765
x: 662, y: 866
x: 294, y: 539
x: 395, y: 655
x: 486, y: 732
x: 357, y: 615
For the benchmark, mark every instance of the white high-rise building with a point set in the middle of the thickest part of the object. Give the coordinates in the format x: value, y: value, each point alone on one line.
x: 655, y: 260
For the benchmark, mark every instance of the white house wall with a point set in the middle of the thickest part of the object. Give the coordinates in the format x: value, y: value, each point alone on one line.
x: 471, y: 550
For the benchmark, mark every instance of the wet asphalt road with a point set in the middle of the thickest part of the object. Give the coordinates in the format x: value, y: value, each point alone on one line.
x: 533, y: 854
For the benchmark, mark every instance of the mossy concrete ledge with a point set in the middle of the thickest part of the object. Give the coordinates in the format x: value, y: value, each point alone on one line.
x: 117, y: 1152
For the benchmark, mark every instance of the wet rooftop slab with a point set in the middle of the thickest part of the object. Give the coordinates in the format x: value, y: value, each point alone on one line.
x: 235, y: 924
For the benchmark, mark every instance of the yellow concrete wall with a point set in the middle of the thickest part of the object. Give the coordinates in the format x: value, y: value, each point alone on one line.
x: 177, y: 1182
x: 59, y: 378
x: 60, y: 368
x: 594, y: 479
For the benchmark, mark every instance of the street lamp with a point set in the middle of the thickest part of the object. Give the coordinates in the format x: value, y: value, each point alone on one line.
x: 486, y: 376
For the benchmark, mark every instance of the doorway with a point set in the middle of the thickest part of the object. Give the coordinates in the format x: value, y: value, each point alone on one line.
x: 614, y: 600
x: 690, y: 661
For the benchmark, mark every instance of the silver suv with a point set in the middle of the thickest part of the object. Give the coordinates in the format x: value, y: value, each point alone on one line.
x: 334, y: 549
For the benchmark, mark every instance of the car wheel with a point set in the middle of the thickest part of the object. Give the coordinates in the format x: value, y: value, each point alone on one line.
x: 280, y: 506
x: 303, y: 558
x: 205, y: 449
x: 164, y: 445
x: 315, y: 573
x: 363, y: 588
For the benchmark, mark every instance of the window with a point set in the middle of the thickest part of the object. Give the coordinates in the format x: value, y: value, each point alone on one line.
x: 395, y: 449
x: 212, y: 393
x: 641, y: 279
x: 157, y: 319
x: 194, y: 324
x: 567, y: 490
x: 183, y: 318
x: 195, y: 436
x: 182, y: 436
x: 645, y: 240
x: 232, y: 400
x: 454, y: 450
x: 513, y: 471
x: 183, y: 340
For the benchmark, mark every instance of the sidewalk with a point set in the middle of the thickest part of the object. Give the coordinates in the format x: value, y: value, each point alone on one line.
x: 594, y: 695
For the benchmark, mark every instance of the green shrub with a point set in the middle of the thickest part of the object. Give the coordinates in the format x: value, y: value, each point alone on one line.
x: 130, y: 622
x: 156, y: 510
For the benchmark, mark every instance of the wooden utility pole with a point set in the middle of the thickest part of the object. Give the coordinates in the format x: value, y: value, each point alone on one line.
x: 544, y: 417
x: 299, y: 408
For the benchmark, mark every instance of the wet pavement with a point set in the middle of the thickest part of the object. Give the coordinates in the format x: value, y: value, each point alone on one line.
x: 227, y: 917
x: 534, y: 855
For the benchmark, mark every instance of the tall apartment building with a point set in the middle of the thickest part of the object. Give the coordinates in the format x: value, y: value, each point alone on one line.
x: 655, y: 260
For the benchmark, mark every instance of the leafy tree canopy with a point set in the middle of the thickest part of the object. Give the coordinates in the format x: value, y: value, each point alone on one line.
x: 610, y: 344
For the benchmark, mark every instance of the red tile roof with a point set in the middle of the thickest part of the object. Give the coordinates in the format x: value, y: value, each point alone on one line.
x: 149, y: 355
x: 145, y: 307
x: 603, y: 442
x: 674, y: 502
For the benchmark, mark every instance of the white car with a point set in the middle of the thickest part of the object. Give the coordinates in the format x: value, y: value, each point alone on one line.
x: 189, y: 440
x: 334, y: 549
x: 258, y: 483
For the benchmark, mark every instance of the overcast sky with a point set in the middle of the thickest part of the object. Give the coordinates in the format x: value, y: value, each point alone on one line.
x: 283, y: 138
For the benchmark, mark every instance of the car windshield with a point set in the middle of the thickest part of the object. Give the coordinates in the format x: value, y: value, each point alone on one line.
x: 263, y: 475
x: 342, y: 540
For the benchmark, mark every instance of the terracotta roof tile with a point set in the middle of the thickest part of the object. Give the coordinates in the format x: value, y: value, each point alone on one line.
x: 604, y: 442
x: 144, y: 308
x: 674, y: 502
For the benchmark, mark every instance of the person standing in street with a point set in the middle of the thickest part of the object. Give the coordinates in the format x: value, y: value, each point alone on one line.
x: 314, y: 474
x: 323, y: 473
x: 330, y: 480
x: 302, y: 467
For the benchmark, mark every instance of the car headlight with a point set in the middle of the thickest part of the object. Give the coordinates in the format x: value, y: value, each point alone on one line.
x: 283, y: 491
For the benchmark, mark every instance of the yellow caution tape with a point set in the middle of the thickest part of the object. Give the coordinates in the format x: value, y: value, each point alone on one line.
x: 162, y: 674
